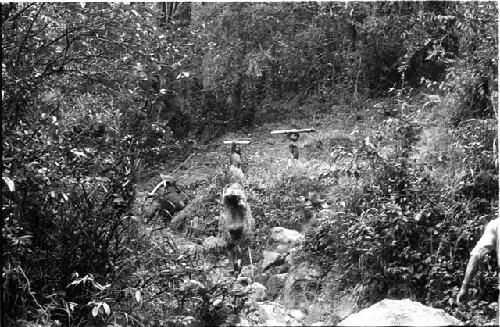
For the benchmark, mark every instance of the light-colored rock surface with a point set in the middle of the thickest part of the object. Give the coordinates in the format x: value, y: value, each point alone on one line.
x: 400, y: 313
x: 275, y: 285
x: 297, y: 314
x: 345, y: 306
x: 302, y: 285
x: 276, y: 315
x: 286, y: 236
x: 272, y: 314
x: 257, y: 292
x: 269, y: 258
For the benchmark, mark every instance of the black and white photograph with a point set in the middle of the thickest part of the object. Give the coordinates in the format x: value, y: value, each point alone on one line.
x: 250, y: 163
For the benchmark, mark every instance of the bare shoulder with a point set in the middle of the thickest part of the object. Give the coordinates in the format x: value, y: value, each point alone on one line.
x: 493, y: 223
x: 492, y: 226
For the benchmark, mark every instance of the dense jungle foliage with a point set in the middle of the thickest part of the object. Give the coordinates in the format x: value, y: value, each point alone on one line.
x: 95, y: 96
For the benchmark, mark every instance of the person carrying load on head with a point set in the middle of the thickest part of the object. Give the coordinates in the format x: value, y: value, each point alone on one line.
x: 293, y: 135
x: 235, y: 171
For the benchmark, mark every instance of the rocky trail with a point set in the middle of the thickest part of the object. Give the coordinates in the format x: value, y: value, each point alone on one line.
x: 283, y: 288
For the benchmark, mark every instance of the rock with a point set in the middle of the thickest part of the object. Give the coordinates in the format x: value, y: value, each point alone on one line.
x: 275, y: 314
x: 269, y: 258
x: 244, y: 323
x: 301, y: 285
x: 271, y: 314
x: 258, y: 292
x: 297, y: 314
x: 267, y: 309
x: 284, y: 268
x: 400, y: 313
x: 275, y: 284
x: 345, y: 306
x: 212, y: 242
x: 286, y: 236
x: 282, y: 248
x: 273, y: 322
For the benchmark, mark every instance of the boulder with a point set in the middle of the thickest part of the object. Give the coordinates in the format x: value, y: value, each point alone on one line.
x: 274, y: 314
x: 345, y: 306
x: 282, y: 248
x: 275, y: 285
x: 297, y: 314
x: 400, y: 313
x: 302, y: 285
x: 270, y: 258
x: 273, y: 322
x: 257, y: 292
x: 283, y: 268
x: 287, y: 237
x: 270, y: 314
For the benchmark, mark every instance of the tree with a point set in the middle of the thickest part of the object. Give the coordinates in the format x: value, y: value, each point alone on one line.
x: 75, y: 79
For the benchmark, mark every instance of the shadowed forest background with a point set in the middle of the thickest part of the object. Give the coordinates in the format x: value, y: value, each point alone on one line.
x: 99, y: 98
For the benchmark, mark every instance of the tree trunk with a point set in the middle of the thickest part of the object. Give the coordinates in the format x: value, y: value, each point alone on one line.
x: 162, y: 19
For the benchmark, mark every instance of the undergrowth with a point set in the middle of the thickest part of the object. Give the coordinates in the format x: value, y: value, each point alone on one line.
x: 408, y: 227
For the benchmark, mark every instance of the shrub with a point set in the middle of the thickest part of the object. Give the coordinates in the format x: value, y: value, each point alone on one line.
x: 403, y: 234
x: 69, y: 211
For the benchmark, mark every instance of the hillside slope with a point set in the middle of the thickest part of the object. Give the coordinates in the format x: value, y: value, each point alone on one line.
x: 358, y: 192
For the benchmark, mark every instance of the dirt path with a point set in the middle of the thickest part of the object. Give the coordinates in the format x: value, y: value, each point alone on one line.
x: 266, y: 152
x: 263, y: 159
